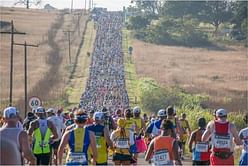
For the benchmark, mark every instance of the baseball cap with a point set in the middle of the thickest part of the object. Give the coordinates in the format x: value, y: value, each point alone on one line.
x: 98, y: 116
x: 136, y: 109
x: 10, y: 112
x: 161, y: 112
x: 221, y: 112
x: 51, y: 110
x: 40, y: 110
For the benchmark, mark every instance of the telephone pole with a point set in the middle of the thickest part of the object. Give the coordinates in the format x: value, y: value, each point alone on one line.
x: 25, y: 72
x: 11, y: 58
x: 69, y: 42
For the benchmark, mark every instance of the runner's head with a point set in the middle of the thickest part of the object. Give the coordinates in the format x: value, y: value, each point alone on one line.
x: 183, y: 116
x: 40, y: 112
x: 91, y: 113
x: 71, y: 115
x: 136, y: 111
x: 98, y: 117
x: 145, y: 117
x: 106, y: 112
x: 10, y: 115
x: 221, y: 114
x: 128, y: 113
x: 167, y: 127
x: 118, y: 112
x: 202, y: 123
x: 170, y: 111
x: 50, y: 112
x: 162, y: 114
x: 30, y: 115
x: 80, y: 117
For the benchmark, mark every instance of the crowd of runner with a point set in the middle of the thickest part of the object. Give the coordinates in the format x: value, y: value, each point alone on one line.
x: 104, y: 127
x: 106, y: 82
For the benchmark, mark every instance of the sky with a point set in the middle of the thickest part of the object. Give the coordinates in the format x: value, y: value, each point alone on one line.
x: 61, y: 4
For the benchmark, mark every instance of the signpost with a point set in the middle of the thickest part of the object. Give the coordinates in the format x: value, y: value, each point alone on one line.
x: 34, y: 102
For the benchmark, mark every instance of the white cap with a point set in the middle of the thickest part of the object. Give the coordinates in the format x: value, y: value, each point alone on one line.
x: 221, y: 112
x: 10, y: 112
x: 51, y: 110
x: 98, y: 116
x: 136, y: 109
x: 161, y: 112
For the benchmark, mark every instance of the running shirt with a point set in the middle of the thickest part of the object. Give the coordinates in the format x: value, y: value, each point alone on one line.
x: 79, y: 141
x: 130, y: 124
x: 101, y: 144
x: 222, y: 137
x: 122, y: 143
x: 201, y: 150
x: 154, y: 128
x: 163, y: 150
x: 60, y: 126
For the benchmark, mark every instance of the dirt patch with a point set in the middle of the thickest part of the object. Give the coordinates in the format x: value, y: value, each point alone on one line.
x: 220, y: 74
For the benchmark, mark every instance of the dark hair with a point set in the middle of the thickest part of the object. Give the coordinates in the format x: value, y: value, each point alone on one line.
x: 170, y: 110
x: 202, y: 122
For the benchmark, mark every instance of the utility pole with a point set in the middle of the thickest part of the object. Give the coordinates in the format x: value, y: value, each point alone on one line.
x: 71, y: 5
x: 78, y: 21
x: 85, y: 6
x: 25, y: 72
x: 69, y: 42
x: 11, y: 58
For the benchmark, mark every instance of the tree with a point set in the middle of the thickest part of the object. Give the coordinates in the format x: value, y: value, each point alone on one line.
x: 150, y: 6
x: 27, y: 3
x: 215, y: 13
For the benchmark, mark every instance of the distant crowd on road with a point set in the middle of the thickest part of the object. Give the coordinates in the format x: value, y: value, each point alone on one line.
x: 106, y: 82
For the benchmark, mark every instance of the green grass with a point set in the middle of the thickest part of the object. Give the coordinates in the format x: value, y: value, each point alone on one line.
x: 132, y: 81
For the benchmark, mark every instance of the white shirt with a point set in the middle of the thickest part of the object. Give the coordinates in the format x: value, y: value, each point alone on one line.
x: 58, y: 123
x: 244, y: 134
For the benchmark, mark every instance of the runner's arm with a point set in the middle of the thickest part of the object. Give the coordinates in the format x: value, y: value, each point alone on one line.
x: 93, y: 147
x: 25, y: 148
x: 207, y: 134
x: 107, y: 137
x: 149, y: 151
x: 187, y: 123
x: 63, y: 143
x: 191, y: 140
x: 53, y: 129
x: 234, y: 131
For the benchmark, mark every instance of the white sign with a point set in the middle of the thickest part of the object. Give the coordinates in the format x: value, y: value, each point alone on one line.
x: 34, y: 102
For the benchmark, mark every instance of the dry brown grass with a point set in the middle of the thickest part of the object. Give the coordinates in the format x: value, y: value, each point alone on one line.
x: 221, y: 74
x: 37, y: 24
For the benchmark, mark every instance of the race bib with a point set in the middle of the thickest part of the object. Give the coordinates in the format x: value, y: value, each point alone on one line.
x: 98, y: 142
x: 77, y: 158
x: 161, y: 157
x: 201, y: 147
x: 122, y: 143
x: 222, y: 141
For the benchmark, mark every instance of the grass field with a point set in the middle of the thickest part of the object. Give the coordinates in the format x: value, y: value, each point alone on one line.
x: 220, y: 74
x: 48, y: 65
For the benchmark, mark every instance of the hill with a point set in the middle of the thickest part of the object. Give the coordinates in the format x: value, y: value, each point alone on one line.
x: 48, y: 65
x: 220, y: 74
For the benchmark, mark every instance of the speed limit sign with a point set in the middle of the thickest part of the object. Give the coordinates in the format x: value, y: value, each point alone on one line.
x: 34, y: 102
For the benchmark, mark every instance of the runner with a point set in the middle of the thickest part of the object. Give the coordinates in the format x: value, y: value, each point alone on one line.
x: 30, y: 117
x: 140, y: 124
x: 221, y: 132
x: 176, y: 124
x: 79, y: 140
x: 153, y: 129
x: 102, y: 138
x: 201, y: 150
x: 71, y: 120
x: 186, y: 132
x: 90, y: 120
x: 118, y: 114
x: 122, y: 140
x: 243, y: 135
x: 164, y: 147
x: 59, y: 128
x: 42, y: 132
x: 15, y: 136
x: 109, y: 121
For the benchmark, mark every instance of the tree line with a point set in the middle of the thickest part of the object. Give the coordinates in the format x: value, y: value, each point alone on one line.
x: 190, y: 23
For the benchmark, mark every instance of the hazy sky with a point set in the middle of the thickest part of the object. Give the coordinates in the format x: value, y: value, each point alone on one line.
x: 110, y: 4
